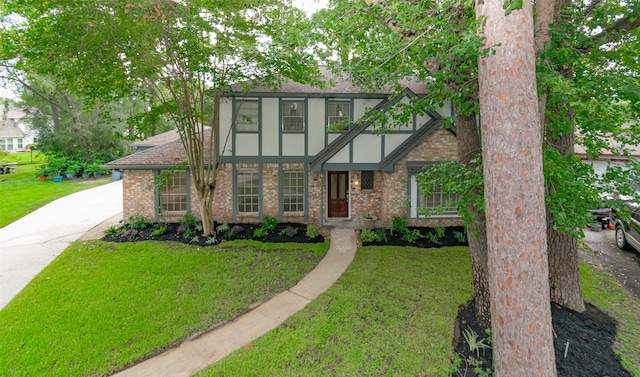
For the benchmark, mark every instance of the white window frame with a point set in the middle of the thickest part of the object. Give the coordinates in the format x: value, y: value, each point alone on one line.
x: 338, y: 111
x: 247, y: 115
x: 253, y: 206
x: 174, y: 193
x: 293, y: 115
x: 293, y: 195
x: 418, y: 200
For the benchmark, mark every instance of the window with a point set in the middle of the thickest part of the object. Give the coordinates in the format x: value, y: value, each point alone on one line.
x: 173, y: 192
x: 293, y: 116
x: 247, y: 116
x: 9, y: 144
x: 20, y: 144
x: 2, y: 144
x: 367, y: 180
x: 439, y: 201
x: 339, y: 115
x: 248, y: 183
x: 293, y: 191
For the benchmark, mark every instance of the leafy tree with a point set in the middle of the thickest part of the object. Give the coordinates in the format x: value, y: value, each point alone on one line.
x: 65, y: 125
x: 184, y: 55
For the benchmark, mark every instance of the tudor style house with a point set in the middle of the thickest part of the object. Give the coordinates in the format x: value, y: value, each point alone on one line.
x: 304, y: 154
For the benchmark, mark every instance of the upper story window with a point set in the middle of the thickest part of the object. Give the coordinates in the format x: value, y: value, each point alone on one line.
x: 339, y: 115
x: 293, y: 116
x: 247, y: 116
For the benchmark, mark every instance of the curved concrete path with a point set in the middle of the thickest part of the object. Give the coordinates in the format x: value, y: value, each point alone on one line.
x: 30, y: 243
x: 196, y: 354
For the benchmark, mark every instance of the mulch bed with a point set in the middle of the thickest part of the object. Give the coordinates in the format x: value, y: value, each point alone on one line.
x: 284, y: 232
x: 590, y: 334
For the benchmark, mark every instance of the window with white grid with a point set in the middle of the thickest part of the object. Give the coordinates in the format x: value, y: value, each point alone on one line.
x: 440, y: 202
x: 173, y: 192
x: 293, y: 191
x: 339, y: 115
x: 247, y: 116
x: 293, y: 116
x: 248, y: 194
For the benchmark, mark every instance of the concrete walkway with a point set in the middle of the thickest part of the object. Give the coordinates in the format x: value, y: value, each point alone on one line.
x: 196, y: 354
x: 32, y: 242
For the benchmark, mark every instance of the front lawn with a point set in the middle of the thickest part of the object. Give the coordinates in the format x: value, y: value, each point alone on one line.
x: 22, y: 193
x: 100, y: 306
x: 391, y: 313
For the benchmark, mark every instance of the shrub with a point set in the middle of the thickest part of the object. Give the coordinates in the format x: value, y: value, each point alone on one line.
x: 259, y: 232
x: 460, y: 236
x: 412, y: 236
x: 368, y: 235
x: 269, y: 223
x: 138, y: 222
x: 399, y: 225
x: 159, y: 230
x: 312, y: 231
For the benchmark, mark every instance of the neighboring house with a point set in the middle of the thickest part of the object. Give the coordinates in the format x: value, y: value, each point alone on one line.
x: 607, y: 157
x: 299, y: 154
x: 12, y: 136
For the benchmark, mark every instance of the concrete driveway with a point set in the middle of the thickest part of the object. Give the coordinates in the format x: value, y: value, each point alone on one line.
x: 32, y: 242
x: 625, y: 265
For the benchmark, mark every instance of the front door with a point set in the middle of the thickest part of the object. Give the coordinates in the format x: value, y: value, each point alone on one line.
x: 338, y: 194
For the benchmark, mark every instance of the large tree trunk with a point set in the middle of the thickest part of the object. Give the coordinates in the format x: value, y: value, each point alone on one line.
x: 514, y: 195
x: 564, y: 265
x: 469, y: 145
x: 564, y: 274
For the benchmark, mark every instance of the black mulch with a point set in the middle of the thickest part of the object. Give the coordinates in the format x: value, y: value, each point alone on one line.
x: 284, y: 232
x: 396, y: 238
x: 590, y: 335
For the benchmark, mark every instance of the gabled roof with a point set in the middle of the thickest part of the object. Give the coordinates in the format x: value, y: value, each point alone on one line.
x: 387, y: 164
x: 10, y: 130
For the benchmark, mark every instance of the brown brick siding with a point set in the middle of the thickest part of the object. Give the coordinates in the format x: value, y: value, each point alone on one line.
x: 387, y: 200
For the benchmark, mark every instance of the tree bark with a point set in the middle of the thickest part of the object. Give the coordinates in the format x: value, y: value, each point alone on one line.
x: 469, y: 145
x: 514, y: 194
x: 564, y: 275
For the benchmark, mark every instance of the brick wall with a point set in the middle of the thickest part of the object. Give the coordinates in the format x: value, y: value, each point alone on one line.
x: 137, y: 194
x: 387, y: 199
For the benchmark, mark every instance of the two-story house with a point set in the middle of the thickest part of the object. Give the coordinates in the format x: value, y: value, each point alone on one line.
x: 304, y: 154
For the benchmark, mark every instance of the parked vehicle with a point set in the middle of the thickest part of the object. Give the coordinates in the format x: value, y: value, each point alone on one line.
x: 602, y: 218
x: 628, y: 230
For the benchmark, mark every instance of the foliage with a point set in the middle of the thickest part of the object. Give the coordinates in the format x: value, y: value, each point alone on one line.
x: 460, y: 236
x: 259, y: 232
x: 124, y: 50
x: 412, y: 235
x: 399, y: 225
x: 312, y: 231
x: 159, y: 229
x: 269, y: 223
x: 138, y: 222
x: 377, y: 235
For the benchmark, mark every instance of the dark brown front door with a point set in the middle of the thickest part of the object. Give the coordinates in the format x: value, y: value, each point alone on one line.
x: 338, y: 194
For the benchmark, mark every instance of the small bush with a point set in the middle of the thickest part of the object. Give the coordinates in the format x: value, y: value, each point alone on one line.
x: 159, y: 230
x: 290, y: 231
x: 399, y: 225
x: 368, y: 235
x: 138, y: 222
x: 460, y: 236
x: 269, y: 223
x: 188, y: 220
x: 312, y: 231
x: 259, y: 232
x: 412, y: 236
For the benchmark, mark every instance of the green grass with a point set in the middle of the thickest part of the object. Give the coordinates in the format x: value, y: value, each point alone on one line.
x: 100, y: 306
x: 600, y: 288
x: 391, y: 313
x: 22, y: 193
